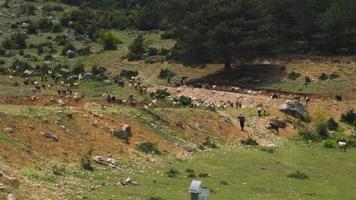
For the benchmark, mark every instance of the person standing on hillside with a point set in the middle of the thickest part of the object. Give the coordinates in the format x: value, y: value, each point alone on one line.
x: 242, y: 120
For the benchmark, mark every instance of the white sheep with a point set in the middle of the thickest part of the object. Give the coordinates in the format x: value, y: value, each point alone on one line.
x: 342, y: 145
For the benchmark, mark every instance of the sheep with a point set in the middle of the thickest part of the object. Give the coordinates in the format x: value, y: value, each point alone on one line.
x: 342, y: 145
x: 274, y: 96
x: 307, y: 100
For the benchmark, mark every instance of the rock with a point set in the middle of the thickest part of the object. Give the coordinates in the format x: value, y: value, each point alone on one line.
x: 106, y: 82
x: 8, y: 130
x: 100, y: 160
x: 13, y: 182
x: 50, y: 136
x: 105, y: 161
x: 294, y: 108
x: 11, y: 197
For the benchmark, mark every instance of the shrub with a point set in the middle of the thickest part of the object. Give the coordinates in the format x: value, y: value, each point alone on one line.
x: 128, y: 73
x: 68, y: 47
x: 349, y: 117
x: 155, y: 198
x: 334, y: 75
x: 307, y: 80
x: 185, y: 101
x: 293, y: 75
x: 329, y: 143
x: 96, y: 70
x: 332, y: 125
x: 162, y: 94
x: 85, y: 161
x: 190, y: 173
x: 109, y: 40
x: 149, y: 148
x: 323, y: 77
x: 58, y: 170
x: 224, y: 183
x: 321, y: 130
x: 298, y: 175
x: 152, y: 51
x: 78, y: 68
x: 2, y: 62
x: 249, y: 141
x: 203, y: 175
x: 307, y: 135
x: 28, y: 9
x: 136, y: 49
x: 208, y: 143
x: 172, y: 173
x: 166, y: 73
x: 16, y: 41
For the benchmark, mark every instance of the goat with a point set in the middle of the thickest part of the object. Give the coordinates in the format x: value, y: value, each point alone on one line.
x: 338, y: 98
x: 342, y: 145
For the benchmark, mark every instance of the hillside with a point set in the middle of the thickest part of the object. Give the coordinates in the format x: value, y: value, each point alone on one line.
x: 103, y: 100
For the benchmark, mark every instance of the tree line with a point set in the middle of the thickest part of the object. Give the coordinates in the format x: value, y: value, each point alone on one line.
x: 229, y: 30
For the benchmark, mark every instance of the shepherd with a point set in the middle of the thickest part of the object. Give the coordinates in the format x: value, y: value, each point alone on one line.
x: 242, y: 120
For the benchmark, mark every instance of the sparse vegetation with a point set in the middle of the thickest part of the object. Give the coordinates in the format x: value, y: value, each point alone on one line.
x: 149, y: 148
x: 298, y: 175
x: 293, y: 75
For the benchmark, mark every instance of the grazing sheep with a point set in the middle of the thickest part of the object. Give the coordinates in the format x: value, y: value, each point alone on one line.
x: 274, y: 96
x: 307, y: 99
x: 342, y: 145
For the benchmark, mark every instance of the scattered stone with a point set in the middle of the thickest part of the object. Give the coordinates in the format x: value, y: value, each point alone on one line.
x: 50, y: 136
x: 11, y: 197
x: 8, y: 130
x: 13, y: 182
x: 45, y: 121
x: 109, y: 161
x: 294, y: 108
x: 180, y: 125
x: 127, y: 182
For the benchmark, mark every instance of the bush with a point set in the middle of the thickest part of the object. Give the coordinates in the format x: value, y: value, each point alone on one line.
x: 298, y: 175
x: 307, y: 80
x: 166, y: 73
x: 149, y: 148
x: 162, y: 94
x: 323, y: 77
x: 293, y: 75
x: 332, y: 125
x: 334, y: 75
x: 321, y: 130
x: 128, y: 73
x: 58, y: 170
x: 16, y: 41
x: 329, y: 143
x: 349, y: 118
x: 208, y: 143
x: 96, y: 70
x: 249, y: 141
x: 2, y: 62
x: 307, y: 135
x: 155, y: 198
x: 203, y: 175
x: 190, y: 173
x: 78, y: 68
x: 68, y: 47
x: 136, y: 49
x: 172, y: 173
x: 185, y: 101
x: 85, y: 161
x: 152, y: 51
x: 109, y: 40
x: 28, y: 9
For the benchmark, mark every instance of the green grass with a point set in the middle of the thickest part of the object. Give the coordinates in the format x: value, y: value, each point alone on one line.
x: 250, y: 174
x: 31, y: 111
